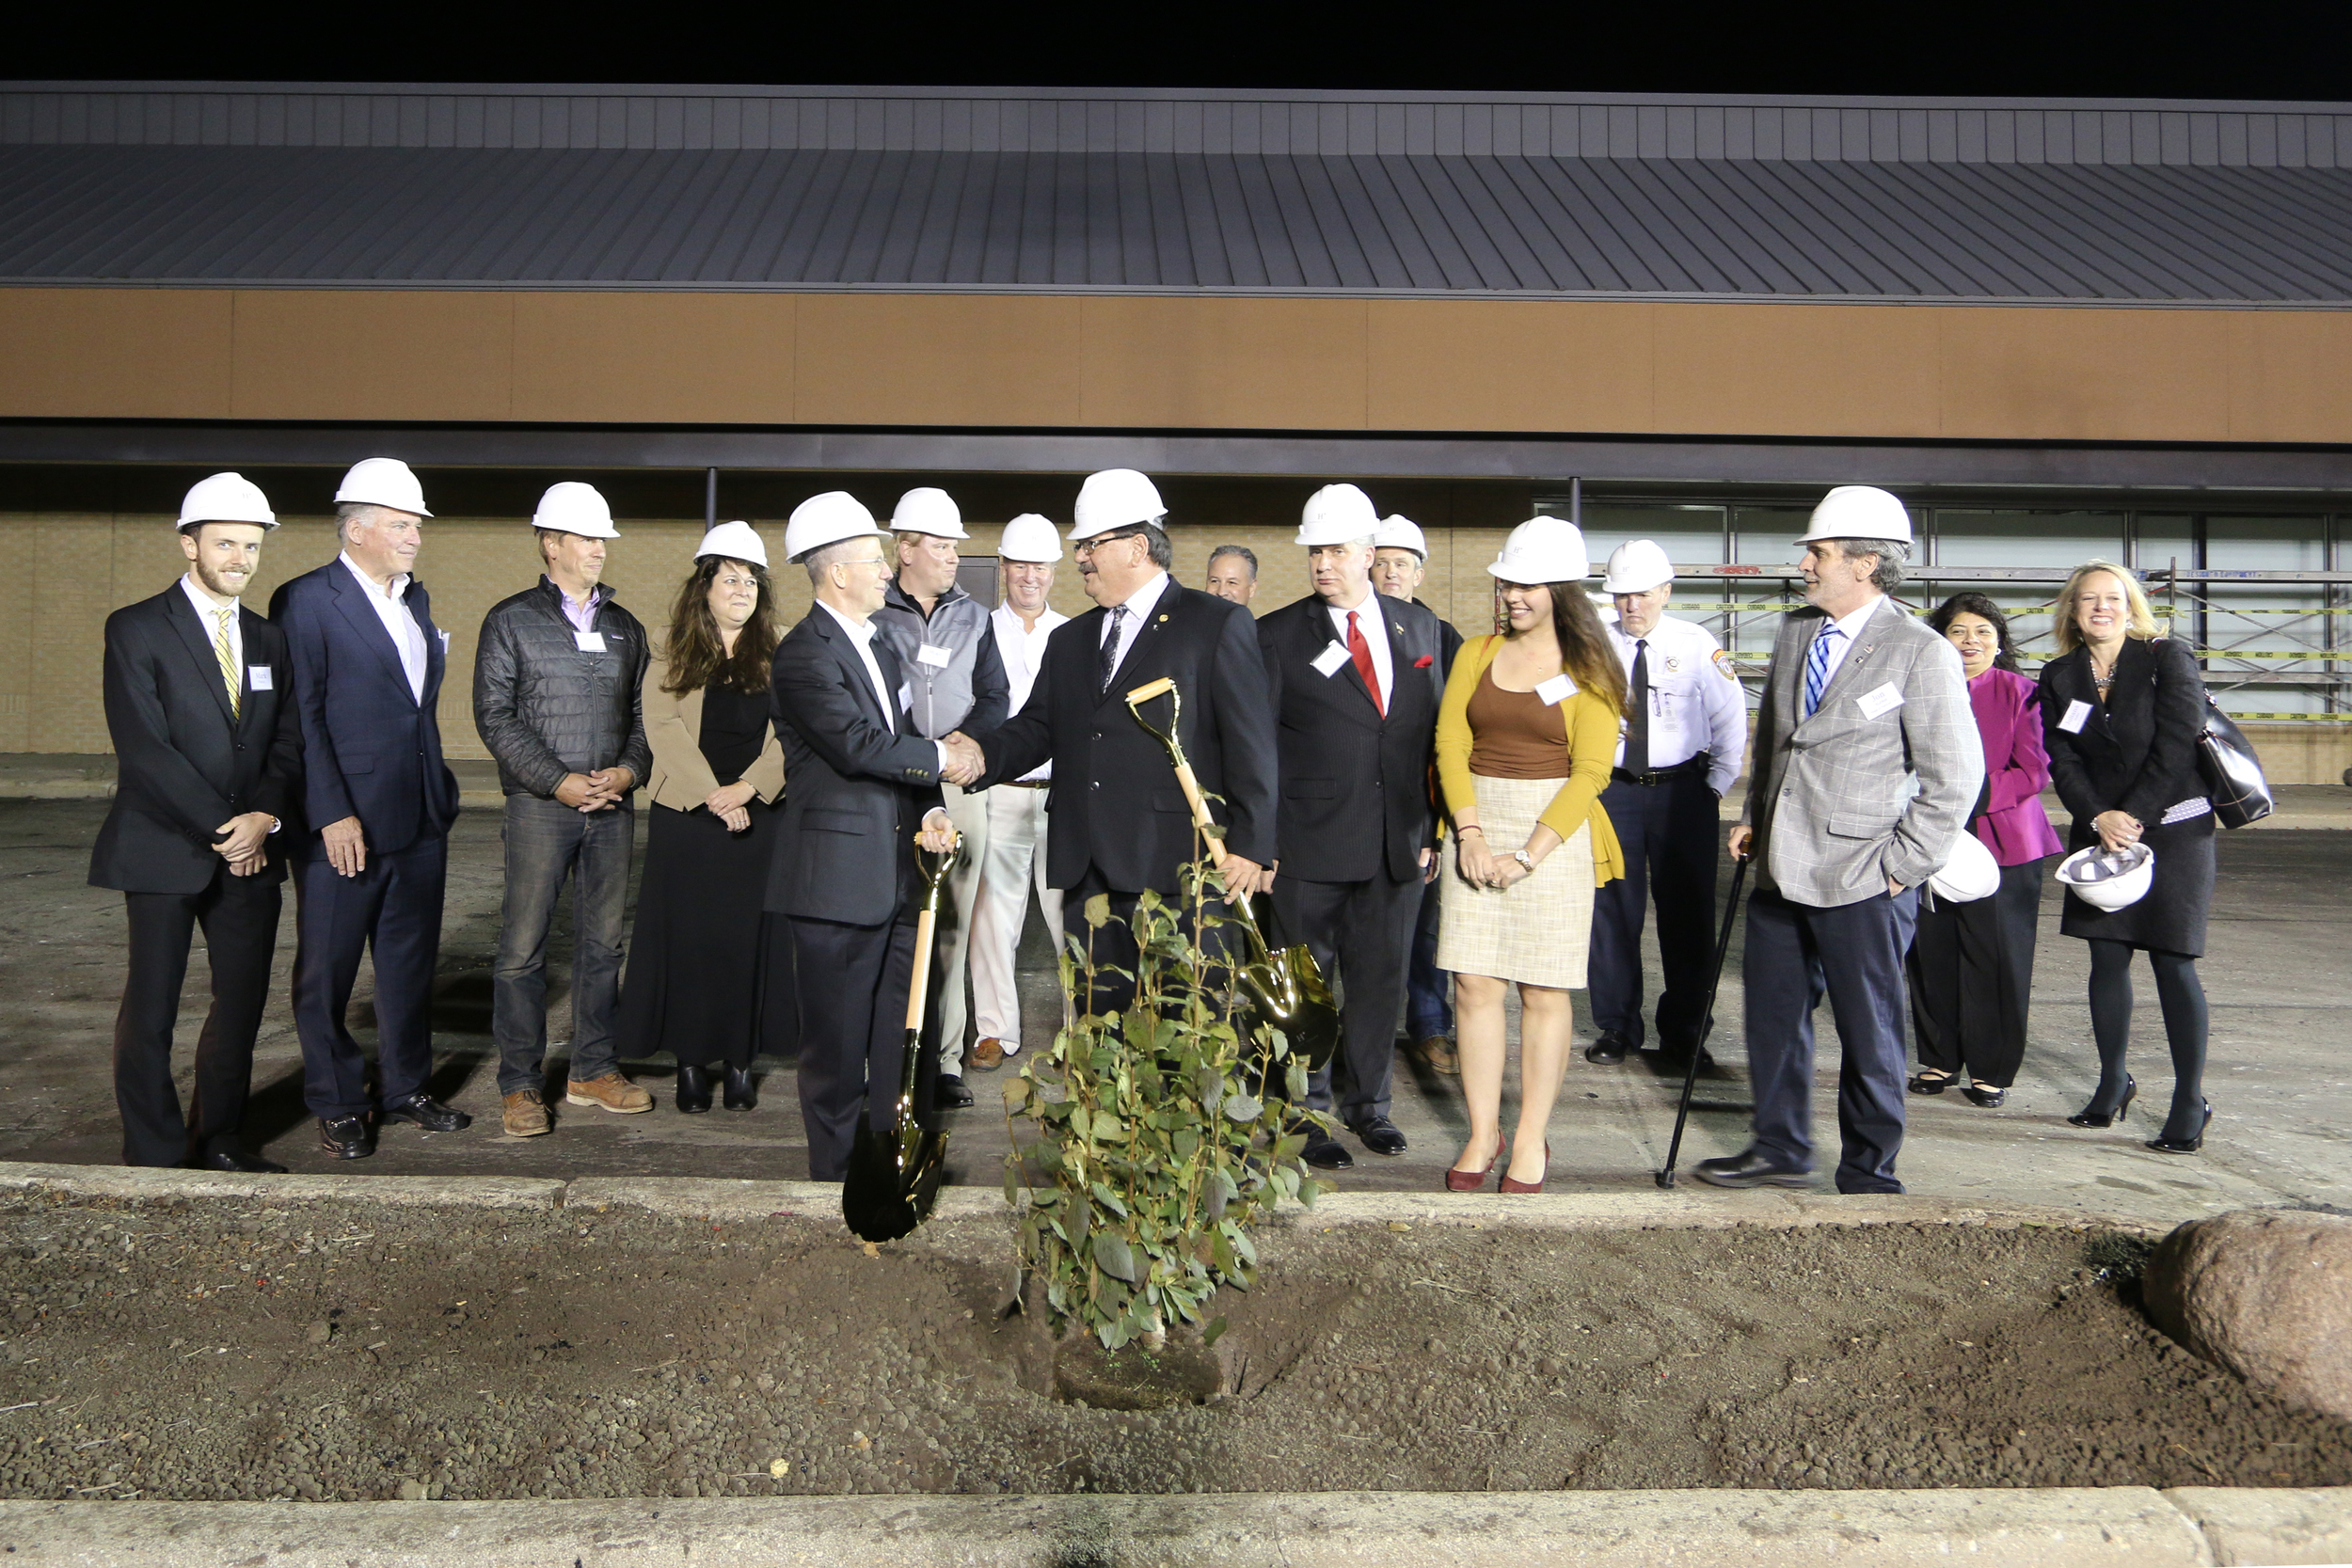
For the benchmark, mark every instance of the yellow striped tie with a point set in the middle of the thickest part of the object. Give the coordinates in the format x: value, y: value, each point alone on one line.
x: 228, y: 656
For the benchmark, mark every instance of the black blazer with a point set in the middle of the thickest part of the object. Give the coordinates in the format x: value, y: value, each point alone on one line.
x: 1115, y: 805
x: 1355, y: 784
x: 859, y: 780
x: 2139, y: 752
x: 183, y: 767
x: 369, y: 749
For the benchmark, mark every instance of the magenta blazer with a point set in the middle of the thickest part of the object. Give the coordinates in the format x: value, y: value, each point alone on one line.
x: 2009, y: 721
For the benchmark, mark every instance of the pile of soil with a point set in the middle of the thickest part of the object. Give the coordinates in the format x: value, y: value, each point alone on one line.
x: 346, y: 1351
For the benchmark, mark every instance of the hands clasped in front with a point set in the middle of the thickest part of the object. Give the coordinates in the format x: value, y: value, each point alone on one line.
x: 1481, y: 868
x: 241, y: 841
x: 602, y: 790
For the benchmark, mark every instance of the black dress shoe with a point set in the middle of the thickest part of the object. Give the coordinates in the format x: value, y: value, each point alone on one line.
x: 1326, y: 1152
x: 1750, y: 1168
x: 1676, y: 1058
x: 951, y: 1094
x: 741, y: 1091
x: 1986, y: 1095
x: 694, y: 1089
x: 236, y: 1157
x: 1609, y: 1050
x: 1379, y: 1135
x: 427, y: 1113
x: 346, y: 1137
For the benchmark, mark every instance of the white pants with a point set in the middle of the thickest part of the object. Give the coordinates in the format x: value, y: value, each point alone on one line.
x: 968, y: 809
x: 1016, y: 861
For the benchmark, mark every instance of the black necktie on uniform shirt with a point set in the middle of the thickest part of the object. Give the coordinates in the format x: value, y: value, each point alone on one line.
x: 1110, y: 647
x: 1637, y: 711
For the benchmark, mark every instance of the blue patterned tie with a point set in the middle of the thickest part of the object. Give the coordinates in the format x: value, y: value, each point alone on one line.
x: 1817, y: 669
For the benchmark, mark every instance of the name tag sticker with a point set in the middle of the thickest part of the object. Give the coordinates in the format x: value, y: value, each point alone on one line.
x: 2077, y: 715
x: 936, y: 658
x: 1556, y: 690
x: 590, y: 641
x: 1328, y: 661
x: 906, y: 699
x: 258, y: 677
x: 1884, y: 700
x: 444, y: 641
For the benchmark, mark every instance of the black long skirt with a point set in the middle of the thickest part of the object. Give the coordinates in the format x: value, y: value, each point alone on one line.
x: 1971, y: 973
x: 709, y: 974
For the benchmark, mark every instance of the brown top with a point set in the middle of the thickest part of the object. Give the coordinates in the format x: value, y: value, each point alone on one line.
x: 1515, y: 735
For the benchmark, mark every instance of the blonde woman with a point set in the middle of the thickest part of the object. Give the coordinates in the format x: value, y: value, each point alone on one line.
x: 2122, y: 708
x: 1525, y: 737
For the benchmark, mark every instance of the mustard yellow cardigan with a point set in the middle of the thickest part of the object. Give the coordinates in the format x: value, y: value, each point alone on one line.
x: 1592, y: 726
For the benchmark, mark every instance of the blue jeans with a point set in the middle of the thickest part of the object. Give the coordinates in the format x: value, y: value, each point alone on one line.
x: 546, y: 842
x: 1429, y: 990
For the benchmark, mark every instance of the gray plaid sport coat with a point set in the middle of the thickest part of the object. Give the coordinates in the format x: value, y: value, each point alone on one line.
x: 1870, y: 787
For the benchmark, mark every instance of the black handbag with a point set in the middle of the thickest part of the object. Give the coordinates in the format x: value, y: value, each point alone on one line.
x: 2233, y: 774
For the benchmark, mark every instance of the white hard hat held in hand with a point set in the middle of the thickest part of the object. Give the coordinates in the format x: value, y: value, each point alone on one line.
x: 926, y: 510
x: 826, y: 519
x: 1335, y: 514
x: 1858, y: 512
x: 1030, y: 537
x: 1969, y: 875
x: 2108, y: 880
x: 382, y: 481
x: 1113, y: 499
x: 572, y: 507
x: 1637, y: 567
x: 1541, y: 550
x: 226, y: 498
x: 1398, y: 532
x: 733, y: 542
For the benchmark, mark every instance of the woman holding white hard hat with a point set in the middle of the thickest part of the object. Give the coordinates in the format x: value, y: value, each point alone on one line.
x: 1526, y: 734
x: 2122, y: 708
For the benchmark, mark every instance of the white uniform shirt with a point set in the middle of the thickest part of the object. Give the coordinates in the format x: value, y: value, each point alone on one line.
x: 1375, y: 632
x: 1022, y: 652
x: 208, y: 615
x: 390, y: 604
x: 1138, y: 605
x: 1695, y: 705
x: 861, y: 637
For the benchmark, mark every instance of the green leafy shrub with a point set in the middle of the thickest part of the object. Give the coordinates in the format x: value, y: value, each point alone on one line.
x: 1162, y: 1133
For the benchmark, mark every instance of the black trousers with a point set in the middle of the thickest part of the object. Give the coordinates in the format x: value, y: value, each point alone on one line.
x: 1669, y: 831
x: 239, y: 915
x: 1361, y: 933
x: 1971, y: 972
x: 853, y: 983
x: 1853, y: 953
x: 392, y: 909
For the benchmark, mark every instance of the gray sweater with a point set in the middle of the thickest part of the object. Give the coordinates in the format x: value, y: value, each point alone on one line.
x: 969, y: 692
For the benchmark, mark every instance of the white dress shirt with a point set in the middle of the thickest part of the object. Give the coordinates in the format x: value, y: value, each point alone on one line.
x: 1023, y: 650
x: 1696, y: 703
x: 1850, y: 625
x: 208, y: 612
x: 1137, y: 606
x: 861, y: 637
x: 390, y: 604
x: 1367, y: 613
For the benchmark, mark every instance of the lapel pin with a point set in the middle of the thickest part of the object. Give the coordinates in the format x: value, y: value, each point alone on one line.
x: 1163, y: 618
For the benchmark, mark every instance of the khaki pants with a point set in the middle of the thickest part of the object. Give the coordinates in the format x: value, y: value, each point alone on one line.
x: 968, y: 809
x: 1014, y: 864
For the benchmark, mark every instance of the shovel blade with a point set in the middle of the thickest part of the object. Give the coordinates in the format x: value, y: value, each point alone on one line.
x: 893, y: 1181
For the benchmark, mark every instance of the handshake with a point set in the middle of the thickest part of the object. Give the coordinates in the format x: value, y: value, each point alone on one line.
x: 964, y: 760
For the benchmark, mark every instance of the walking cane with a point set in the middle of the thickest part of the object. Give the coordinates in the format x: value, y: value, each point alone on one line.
x: 894, y: 1175
x: 1707, y: 1026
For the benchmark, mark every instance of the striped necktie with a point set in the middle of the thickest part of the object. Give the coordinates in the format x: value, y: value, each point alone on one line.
x: 1817, y: 668
x: 223, y: 651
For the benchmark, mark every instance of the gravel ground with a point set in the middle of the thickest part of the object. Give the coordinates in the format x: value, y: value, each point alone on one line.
x: 352, y: 1351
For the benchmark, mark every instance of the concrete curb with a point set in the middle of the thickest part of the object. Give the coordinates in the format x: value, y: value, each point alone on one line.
x: 2269, y: 1524
x: 141, y: 1185
x: 2056, y: 1527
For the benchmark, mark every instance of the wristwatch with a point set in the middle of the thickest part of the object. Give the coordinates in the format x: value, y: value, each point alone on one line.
x: 1527, y: 862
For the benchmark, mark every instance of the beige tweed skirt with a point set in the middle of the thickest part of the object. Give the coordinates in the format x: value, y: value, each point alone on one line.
x: 1536, y: 931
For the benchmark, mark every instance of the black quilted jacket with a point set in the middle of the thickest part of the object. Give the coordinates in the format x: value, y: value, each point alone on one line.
x: 545, y: 706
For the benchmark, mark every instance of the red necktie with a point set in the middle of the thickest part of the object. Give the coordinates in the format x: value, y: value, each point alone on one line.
x: 1360, y: 651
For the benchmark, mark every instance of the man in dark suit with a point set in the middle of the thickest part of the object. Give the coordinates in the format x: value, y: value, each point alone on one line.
x: 1357, y: 717
x: 1120, y: 823
x: 863, y: 792
x: 207, y: 761
x: 367, y: 662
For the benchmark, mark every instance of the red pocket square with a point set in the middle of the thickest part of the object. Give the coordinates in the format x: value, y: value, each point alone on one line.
x: 1423, y: 662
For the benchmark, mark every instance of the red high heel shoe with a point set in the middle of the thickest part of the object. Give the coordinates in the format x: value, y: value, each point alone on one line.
x: 1471, y: 1180
x: 1536, y: 1186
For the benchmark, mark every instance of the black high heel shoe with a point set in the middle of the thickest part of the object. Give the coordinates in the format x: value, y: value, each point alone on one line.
x: 741, y: 1092
x: 2163, y: 1145
x: 694, y: 1089
x: 2090, y: 1116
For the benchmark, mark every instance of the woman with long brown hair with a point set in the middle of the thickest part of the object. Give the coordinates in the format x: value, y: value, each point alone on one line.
x: 705, y: 982
x: 1525, y: 737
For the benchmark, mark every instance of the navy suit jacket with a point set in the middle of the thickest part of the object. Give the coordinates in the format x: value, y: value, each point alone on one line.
x: 369, y: 749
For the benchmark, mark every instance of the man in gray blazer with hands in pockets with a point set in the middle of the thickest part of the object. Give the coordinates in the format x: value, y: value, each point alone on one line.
x: 1867, y: 765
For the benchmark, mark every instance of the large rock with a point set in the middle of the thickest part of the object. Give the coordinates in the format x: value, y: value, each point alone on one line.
x: 2266, y: 1293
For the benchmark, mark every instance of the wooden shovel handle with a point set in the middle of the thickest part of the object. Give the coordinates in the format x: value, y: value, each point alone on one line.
x: 920, y: 992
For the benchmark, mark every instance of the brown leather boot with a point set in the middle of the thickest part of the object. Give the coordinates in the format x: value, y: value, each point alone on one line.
x: 987, y: 1054
x: 525, y: 1115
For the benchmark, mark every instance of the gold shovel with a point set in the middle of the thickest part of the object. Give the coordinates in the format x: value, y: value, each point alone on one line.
x: 893, y: 1180
x: 1286, y: 990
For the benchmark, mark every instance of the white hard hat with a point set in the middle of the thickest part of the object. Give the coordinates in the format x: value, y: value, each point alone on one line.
x: 1030, y: 537
x: 925, y: 510
x: 1112, y: 500
x: 572, y: 507
x: 1969, y: 875
x: 1858, y: 512
x: 226, y: 498
x: 1335, y: 514
x: 1541, y: 550
x: 1400, y: 533
x: 2109, y: 881
x: 1637, y: 567
x: 826, y: 519
x: 382, y: 481
x: 735, y: 542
